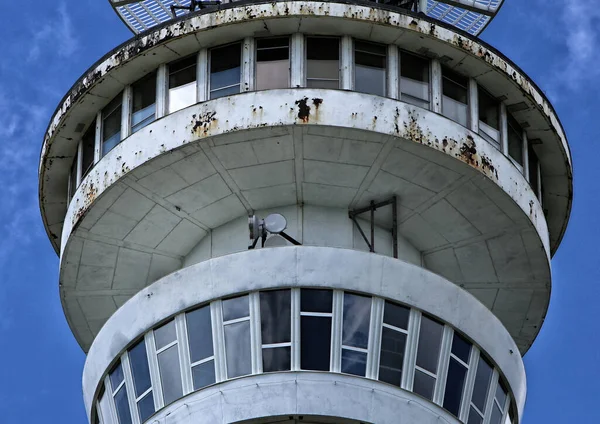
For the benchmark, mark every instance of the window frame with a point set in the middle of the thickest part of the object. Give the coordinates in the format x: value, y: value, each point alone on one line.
x: 402, y: 52
x: 289, y: 59
x: 209, y: 88
x: 339, y: 59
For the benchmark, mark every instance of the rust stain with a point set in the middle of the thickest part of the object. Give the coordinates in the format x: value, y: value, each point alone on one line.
x: 303, y: 110
x: 202, y: 124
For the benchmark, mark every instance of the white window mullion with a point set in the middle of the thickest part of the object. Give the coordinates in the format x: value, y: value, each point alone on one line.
x: 295, y: 354
x: 489, y: 405
x: 525, y: 156
x: 503, y: 129
x: 473, y: 106
x: 393, y: 72
x: 248, y: 64
x: 374, y: 346
x: 126, y: 109
x: 255, y: 333
x: 100, y: 415
x: 346, y: 63
x: 442, y: 374
x: 506, y: 409
x: 202, y: 76
x: 436, y: 86
x: 216, y: 315
x: 336, y: 331
x: 111, y: 400
x: 98, y: 138
x: 410, y: 357
x: 162, y: 79
x: 184, y: 354
x: 298, y: 61
x: 470, y: 383
x: 135, y: 418
x: 79, y: 165
x: 154, y: 371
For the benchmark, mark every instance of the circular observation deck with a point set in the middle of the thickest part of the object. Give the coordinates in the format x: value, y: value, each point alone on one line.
x: 406, y: 112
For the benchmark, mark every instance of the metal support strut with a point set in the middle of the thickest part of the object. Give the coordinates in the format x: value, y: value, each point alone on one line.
x: 372, y: 208
x: 200, y: 4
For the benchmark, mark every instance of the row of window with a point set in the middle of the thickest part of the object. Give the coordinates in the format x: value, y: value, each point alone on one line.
x: 272, y: 69
x: 304, y: 329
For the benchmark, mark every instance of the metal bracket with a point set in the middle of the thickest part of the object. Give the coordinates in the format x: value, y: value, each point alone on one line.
x: 372, y: 208
x: 200, y: 4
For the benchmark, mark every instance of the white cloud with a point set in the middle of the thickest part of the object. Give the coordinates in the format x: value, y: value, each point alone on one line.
x: 56, y: 35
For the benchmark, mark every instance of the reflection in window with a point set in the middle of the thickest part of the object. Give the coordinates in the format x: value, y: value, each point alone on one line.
x: 355, y: 333
x: 272, y: 63
x: 457, y: 374
x: 414, y: 80
x: 143, y: 103
x: 500, y: 397
x: 111, y: 124
x: 369, y: 67
x: 119, y: 394
x: 182, y: 83
x: 455, y: 96
x: 142, y: 385
x: 88, y: 145
x: 428, y: 352
x: 515, y: 140
x: 315, y: 329
x: 483, y: 376
x: 276, y: 325
x: 225, y: 70
x: 236, y: 325
x: 322, y: 62
x: 534, y: 172
x: 489, y: 117
x: 200, y: 339
x: 393, y: 343
x: 165, y: 339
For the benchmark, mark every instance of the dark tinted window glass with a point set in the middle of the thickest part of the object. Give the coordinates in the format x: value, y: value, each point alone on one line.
x: 111, y: 124
x: 414, y: 67
x: 237, y: 347
x: 146, y: 407
x: 322, y: 66
x: 396, y: 315
x: 143, y: 102
x: 489, y: 109
x: 170, y: 374
x: 139, y: 368
x: 474, y: 417
x: 355, y: 327
x: 515, y: 140
x: 275, y: 316
x: 455, y: 86
x: 236, y: 307
x: 122, y: 406
x: 73, y: 177
x: 182, y: 72
x: 88, y: 145
x: 461, y: 348
x: 203, y: 374
x: 199, y: 333
x: 272, y: 63
x: 225, y: 70
x: 165, y: 334
x: 501, y: 395
x: 116, y: 376
x: 393, y: 344
x: 369, y: 70
x: 354, y: 362
x: 454, y: 386
x: 533, y: 171
x: 314, y: 300
x: 315, y: 342
x: 482, y: 383
x: 430, y: 339
x: 276, y: 359
x: 423, y: 385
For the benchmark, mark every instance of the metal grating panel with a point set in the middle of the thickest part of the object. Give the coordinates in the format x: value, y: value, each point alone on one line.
x: 471, y: 16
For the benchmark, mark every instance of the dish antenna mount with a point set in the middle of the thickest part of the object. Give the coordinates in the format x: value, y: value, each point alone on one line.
x: 272, y: 224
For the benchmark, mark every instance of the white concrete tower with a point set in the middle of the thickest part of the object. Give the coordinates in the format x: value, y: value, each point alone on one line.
x: 425, y: 182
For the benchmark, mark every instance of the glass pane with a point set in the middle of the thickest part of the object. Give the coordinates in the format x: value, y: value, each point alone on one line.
x: 116, y: 376
x: 73, y: 178
x: 489, y: 109
x: 317, y: 83
x: 170, y: 374
x: 313, y: 300
x: 489, y: 134
x: 322, y: 66
x: 370, y: 64
x: 454, y: 386
x: 111, y: 124
x: 122, y: 406
x: 165, y: 334
x: 182, y: 72
x: 515, y: 140
x: 272, y: 67
x: 482, y: 383
x: 144, y: 93
x: 424, y: 385
x: 276, y: 359
x: 203, y: 374
x: 139, y: 368
x: 322, y: 48
x: 430, y: 339
x: 396, y: 315
x: 199, y: 333
x: 110, y: 143
x: 88, y: 145
x: 237, y: 347
x: 414, y: 67
x: 275, y: 316
x: 142, y: 118
x: 315, y: 342
x: 227, y: 91
x: 354, y: 362
x: 417, y: 89
x: 533, y: 171
x: 457, y: 111
x: 455, y: 86
x: 474, y: 417
x: 236, y: 307
x: 225, y: 66
x: 146, y: 407
x: 357, y: 314
x: 461, y: 348
x: 393, y: 344
x: 500, y: 395
x: 182, y: 96
x: 496, y: 415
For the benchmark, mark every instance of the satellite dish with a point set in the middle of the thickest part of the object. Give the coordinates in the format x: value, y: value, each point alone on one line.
x: 275, y: 223
x: 255, y: 227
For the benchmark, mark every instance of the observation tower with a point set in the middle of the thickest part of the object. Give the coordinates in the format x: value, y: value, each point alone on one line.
x: 305, y: 212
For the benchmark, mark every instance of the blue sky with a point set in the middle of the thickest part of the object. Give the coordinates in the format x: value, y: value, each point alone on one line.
x: 46, y: 46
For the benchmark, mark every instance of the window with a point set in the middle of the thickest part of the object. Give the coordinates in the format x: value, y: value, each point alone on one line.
x: 499, y: 403
x: 200, y: 339
x: 272, y: 63
x: 236, y: 325
x: 182, y: 83
x: 103, y: 407
x: 355, y: 333
x: 483, y: 376
x: 489, y: 117
x: 73, y: 178
x: 88, y: 146
x: 322, y: 62
x: 119, y: 394
x: 515, y: 140
x: 393, y: 343
x: 428, y: 352
x: 143, y: 103
x: 455, y: 95
x: 138, y: 360
x: 225, y: 70
x: 457, y: 373
x: 276, y: 327
x: 315, y: 329
x: 534, y: 172
x: 111, y: 124
x: 369, y: 67
x: 414, y: 80
x: 165, y: 340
